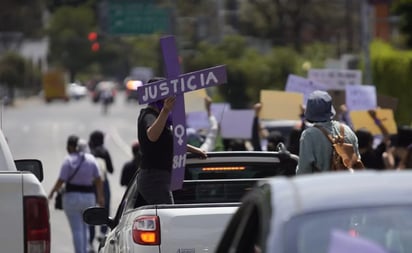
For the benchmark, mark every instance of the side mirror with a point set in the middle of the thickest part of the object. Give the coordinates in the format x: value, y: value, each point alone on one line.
x: 97, y: 216
x: 32, y: 165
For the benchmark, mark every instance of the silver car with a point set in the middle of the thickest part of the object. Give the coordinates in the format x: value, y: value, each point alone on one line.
x: 365, y: 211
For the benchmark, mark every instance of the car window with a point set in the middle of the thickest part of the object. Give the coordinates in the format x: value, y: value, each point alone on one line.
x: 223, y: 183
x: 386, y: 228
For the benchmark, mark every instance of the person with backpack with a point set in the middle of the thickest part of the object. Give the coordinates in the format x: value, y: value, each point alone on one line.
x: 316, y: 149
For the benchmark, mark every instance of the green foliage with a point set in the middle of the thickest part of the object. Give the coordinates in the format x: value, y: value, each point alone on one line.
x: 69, y: 45
x: 392, y: 72
x: 403, y: 8
x: 23, y: 16
x: 145, y: 51
x: 249, y: 71
x: 15, y: 71
x: 12, y: 69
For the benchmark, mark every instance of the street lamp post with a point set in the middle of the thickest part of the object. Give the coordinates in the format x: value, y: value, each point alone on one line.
x: 365, y: 17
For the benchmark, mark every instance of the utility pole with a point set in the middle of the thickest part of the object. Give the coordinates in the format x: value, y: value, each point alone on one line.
x: 365, y: 17
x: 220, y: 19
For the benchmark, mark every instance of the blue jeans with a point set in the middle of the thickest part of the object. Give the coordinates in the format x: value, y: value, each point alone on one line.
x: 74, y: 204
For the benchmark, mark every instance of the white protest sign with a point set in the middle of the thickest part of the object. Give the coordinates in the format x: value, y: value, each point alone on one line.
x: 360, y: 97
x: 302, y: 85
x: 237, y: 124
x: 336, y: 79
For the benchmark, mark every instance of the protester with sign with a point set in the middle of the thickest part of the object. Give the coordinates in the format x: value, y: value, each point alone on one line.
x: 371, y: 157
x: 401, y: 147
x: 205, y: 139
x: 259, y: 133
x: 155, y: 136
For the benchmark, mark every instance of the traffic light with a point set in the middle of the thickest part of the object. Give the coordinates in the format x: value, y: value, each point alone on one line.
x: 93, y: 38
x: 95, y: 46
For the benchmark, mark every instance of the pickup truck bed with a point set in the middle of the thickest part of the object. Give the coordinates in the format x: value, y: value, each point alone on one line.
x: 24, y: 209
x: 211, y: 193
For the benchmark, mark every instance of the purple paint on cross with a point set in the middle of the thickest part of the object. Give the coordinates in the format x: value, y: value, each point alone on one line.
x: 176, y: 85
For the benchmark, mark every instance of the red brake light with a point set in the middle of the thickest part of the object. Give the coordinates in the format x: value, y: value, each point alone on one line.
x: 146, y: 230
x: 353, y: 233
x: 36, y: 225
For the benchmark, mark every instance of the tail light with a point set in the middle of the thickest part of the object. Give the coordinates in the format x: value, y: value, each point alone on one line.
x: 36, y: 225
x: 146, y: 230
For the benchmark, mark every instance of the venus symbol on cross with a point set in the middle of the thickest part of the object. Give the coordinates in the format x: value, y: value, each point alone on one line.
x: 176, y: 84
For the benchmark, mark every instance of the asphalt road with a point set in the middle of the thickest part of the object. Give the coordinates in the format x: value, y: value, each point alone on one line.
x: 38, y: 130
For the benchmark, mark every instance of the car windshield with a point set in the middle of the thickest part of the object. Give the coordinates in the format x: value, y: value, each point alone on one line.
x: 378, y: 229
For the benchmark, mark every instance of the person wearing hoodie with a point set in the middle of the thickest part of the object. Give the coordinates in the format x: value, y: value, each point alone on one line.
x: 80, y: 176
x: 101, y: 153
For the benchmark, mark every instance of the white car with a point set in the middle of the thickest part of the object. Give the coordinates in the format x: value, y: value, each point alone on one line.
x: 365, y: 211
x: 76, y: 91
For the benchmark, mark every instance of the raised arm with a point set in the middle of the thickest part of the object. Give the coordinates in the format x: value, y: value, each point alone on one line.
x: 155, y: 130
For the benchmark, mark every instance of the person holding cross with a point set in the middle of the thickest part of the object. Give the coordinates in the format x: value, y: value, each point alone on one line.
x: 155, y: 136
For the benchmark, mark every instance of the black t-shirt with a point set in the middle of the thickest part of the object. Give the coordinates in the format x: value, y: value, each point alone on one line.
x: 155, y: 155
x: 102, y: 152
x: 372, y: 159
x: 128, y: 171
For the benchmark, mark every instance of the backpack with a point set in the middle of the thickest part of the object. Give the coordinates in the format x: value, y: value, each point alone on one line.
x: 343, y: 157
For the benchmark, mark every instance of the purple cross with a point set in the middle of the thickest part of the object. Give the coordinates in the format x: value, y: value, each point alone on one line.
x: 176, y: 84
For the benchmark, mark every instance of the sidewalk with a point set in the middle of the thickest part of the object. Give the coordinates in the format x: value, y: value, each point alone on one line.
x: 20, y: 101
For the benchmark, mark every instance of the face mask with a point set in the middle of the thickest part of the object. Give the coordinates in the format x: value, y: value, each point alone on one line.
x: 159, y: 105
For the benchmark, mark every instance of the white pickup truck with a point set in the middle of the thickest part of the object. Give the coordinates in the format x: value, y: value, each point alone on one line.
x: 211, y: 194
x: 24, y: 209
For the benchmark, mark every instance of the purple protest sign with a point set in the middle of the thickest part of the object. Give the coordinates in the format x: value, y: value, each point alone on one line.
x: 184, y: 83
x: 176, y: 85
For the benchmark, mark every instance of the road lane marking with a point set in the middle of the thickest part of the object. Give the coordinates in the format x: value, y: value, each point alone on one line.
x: 118, y: 140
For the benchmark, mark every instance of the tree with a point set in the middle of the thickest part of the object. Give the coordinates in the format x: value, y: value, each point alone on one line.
x: 403, y: 8
x: 68, y: 31
x: 296, y: 22
x: 12, y: 72
x: 23, y: 16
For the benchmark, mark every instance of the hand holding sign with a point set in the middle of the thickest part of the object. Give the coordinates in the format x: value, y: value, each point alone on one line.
x: 172, y: 89
x: 169, y: 103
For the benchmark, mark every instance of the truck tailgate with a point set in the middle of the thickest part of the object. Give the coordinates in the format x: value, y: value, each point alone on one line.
x: 196, y: 229
x: 11, y: 212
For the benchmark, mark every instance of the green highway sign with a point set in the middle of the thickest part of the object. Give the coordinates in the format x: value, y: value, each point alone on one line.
x: 131, y: 18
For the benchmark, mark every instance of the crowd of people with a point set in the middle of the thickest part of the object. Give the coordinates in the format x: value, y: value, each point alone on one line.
x: 84, y: 170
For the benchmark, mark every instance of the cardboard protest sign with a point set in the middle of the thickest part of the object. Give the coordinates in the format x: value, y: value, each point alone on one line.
x: 360, y: 97
x: 280, y: 104
x: 303, y: 85
x: 362, y: 119
x: 237, y: 124
x: 336, y: 79
x: 387, y: 102
x: 196, y: 100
